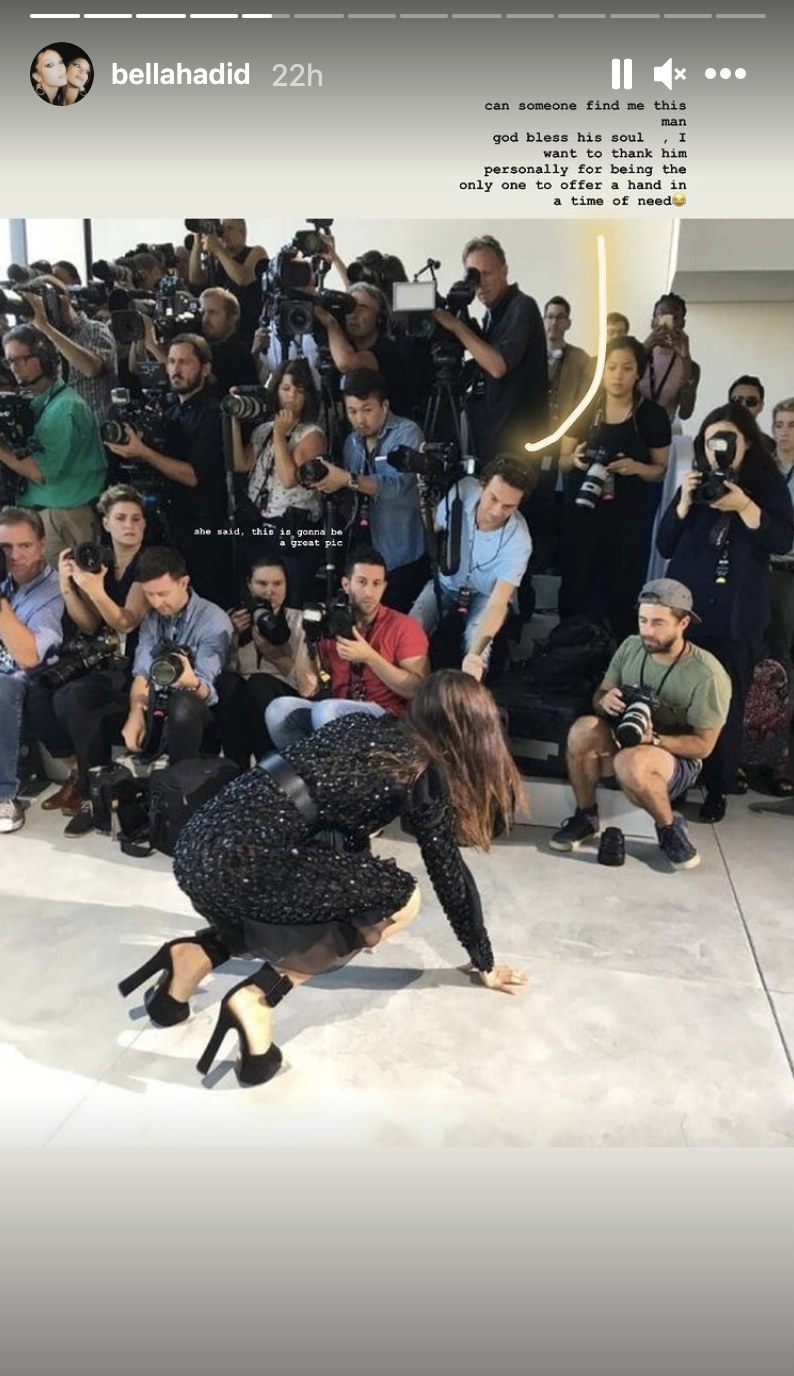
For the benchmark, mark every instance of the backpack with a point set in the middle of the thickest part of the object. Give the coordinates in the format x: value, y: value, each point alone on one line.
x: 572, y: 660
x: 178, y: 791
x: 766, y: 717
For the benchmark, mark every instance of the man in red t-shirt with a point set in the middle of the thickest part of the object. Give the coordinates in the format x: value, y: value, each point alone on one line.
x: 375, y: 671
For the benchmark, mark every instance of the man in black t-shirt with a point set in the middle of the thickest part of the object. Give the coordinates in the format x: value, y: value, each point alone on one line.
x: 235, y: 265
x: 194, y: 495
x: 509, y: 403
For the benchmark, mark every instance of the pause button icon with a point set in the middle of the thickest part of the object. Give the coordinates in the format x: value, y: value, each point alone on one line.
x: 616, y: 73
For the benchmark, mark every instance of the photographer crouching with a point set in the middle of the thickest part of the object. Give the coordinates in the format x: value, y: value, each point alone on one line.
x: 270, y: 659
x: 371, y: 657
x: 659, y: 712
x: 482, y: 581
x: 730, y: 514
x: 76, y: 707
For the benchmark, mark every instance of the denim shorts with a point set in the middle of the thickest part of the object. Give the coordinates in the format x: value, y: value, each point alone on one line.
x: 683, y: 776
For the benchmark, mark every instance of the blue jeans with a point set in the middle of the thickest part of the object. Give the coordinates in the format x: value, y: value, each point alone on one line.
x: 289, y: 720
x: 12, y: 700
x: 425, y: 611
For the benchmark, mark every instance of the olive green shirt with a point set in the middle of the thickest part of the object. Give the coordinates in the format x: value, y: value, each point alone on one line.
x: 696, y: 694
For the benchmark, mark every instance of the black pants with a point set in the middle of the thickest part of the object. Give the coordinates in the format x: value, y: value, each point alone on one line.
x: 186, y: 722
x: 83, y: 718
x: 739, y: 658
x: 240, y: 714
x: 604, y: 556
x: 403, y: 585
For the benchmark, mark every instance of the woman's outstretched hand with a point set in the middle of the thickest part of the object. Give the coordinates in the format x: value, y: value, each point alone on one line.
x: 501, y: 977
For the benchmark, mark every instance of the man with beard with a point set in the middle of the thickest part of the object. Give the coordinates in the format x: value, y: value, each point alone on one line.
x: 654, y: 751
x: 375, y: 669
x: 192, y: 472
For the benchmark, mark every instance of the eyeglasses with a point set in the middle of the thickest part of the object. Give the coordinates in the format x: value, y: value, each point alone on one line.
x: 746, y: 401
x: 20, y: 358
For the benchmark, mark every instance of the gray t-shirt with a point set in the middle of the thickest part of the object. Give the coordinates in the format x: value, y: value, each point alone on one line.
x: 696, y: 694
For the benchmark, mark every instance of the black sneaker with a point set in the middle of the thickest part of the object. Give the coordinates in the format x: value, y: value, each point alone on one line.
x: 676, y: 845
x: 612, y: 850
x: 581, y: 827
x: 81, y: 823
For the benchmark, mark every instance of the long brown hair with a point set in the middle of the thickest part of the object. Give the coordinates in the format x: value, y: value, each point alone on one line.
x: 454, y: 722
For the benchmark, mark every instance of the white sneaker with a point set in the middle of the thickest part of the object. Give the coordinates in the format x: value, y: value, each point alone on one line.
x: 11, y: 815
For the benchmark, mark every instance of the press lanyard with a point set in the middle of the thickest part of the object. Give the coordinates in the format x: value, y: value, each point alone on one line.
x: 665, y: 676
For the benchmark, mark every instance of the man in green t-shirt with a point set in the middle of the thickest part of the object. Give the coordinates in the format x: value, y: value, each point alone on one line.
x: 656, y: 750
x: 65, y: 466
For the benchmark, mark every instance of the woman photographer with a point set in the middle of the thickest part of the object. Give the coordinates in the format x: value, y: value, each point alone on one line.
x: 270, y: 659
x: 278, y: 503
x: 260, y: 863
x: 732, y: 511
x: 75, y: 722
x: 605, y: 538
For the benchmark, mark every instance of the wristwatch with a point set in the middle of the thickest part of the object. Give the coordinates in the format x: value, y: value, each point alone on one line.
x: 656, y: 738
x: 352, y: 482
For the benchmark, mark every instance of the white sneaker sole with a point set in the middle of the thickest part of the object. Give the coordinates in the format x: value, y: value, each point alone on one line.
x: 690, y: 864
x: 573, y: 845
x: 8, y: 826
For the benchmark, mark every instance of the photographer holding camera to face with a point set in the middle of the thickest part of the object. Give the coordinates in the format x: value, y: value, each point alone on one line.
x: 371, y: 657
x: 270, y: 659
x: 76, y: 707
x: 658, y: 714
x: 220, y: 257
x: 87, y: 347
x: 62, y: 466
x: 730, y: 514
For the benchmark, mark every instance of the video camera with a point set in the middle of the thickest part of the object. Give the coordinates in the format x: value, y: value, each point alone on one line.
x: 287, y: 301
x: 13, y: 303
x: 146, y: 414
x: 16, y: 433
x: 712, y: 487
x: 416, y: 301
x: 173, y: 309
x: 336, y: 620
x: 436, y: 465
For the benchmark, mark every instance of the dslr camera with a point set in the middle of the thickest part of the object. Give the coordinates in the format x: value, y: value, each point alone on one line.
x: 336, y: 620
x: 77, y: 657
x: 91, y: 558
x: 597, y: 481
x: 164, y: 673
x: 436, y: 465
x: 712, y: 487
x: 250, y: 402
x: 271, y: 625
x: 637, y: 716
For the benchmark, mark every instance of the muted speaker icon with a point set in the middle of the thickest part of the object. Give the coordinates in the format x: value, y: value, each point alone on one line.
x: 665, y: 74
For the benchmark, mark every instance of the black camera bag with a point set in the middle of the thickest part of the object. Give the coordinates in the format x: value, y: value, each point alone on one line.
x: 118, y: 800
x: 537, y: 724
x: 180, y: 790
x: 572, y: 660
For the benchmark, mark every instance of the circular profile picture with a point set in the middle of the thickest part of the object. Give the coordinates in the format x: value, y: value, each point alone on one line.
x: 61, y: 74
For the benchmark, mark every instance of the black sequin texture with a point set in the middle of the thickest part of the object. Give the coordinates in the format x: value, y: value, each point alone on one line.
x: 273, y: 887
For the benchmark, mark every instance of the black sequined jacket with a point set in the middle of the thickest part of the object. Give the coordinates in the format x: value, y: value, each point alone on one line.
x: 356, y: 792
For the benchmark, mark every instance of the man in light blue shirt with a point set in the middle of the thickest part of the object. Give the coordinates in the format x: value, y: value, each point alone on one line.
x: 31, y: 608
x: 495, y: 547
x: 389, y: 500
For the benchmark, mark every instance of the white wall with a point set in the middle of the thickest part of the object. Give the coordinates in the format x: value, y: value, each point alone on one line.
x: 728, y: 340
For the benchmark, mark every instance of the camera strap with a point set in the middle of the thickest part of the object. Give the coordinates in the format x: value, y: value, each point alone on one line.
x: 291, y: 783
x: 666, y: 675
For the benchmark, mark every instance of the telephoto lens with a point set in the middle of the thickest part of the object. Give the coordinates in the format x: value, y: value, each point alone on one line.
x: 272, y: 626
x: 166, y: 669
x: 90, y: 557
x: 634, y: 724
x: 254, y: 403
x: 612, y: 847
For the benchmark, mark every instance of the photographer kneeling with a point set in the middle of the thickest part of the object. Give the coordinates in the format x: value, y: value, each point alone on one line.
x: 373, y: 657
x: 659, y: 712
x: 270, y: 659
x: 183, y: 645
x: 78, y: 706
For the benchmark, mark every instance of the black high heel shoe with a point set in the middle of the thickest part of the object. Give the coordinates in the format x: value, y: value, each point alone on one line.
x: 251, y: 1070
x: 164, y: 1010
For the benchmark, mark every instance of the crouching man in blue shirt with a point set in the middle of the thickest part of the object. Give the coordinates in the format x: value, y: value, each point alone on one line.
x: 495, y: 546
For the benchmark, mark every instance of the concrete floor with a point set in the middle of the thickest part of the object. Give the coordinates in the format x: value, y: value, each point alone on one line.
x: 659, y: 1009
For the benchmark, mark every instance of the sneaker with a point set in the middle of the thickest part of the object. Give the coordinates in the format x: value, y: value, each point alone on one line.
x: 81, y: 823
x: 574, y: 830
x: 676, y: 845
x: 11, y: 815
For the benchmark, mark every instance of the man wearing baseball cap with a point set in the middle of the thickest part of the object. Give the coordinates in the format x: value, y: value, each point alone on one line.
x: 658, y: 713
